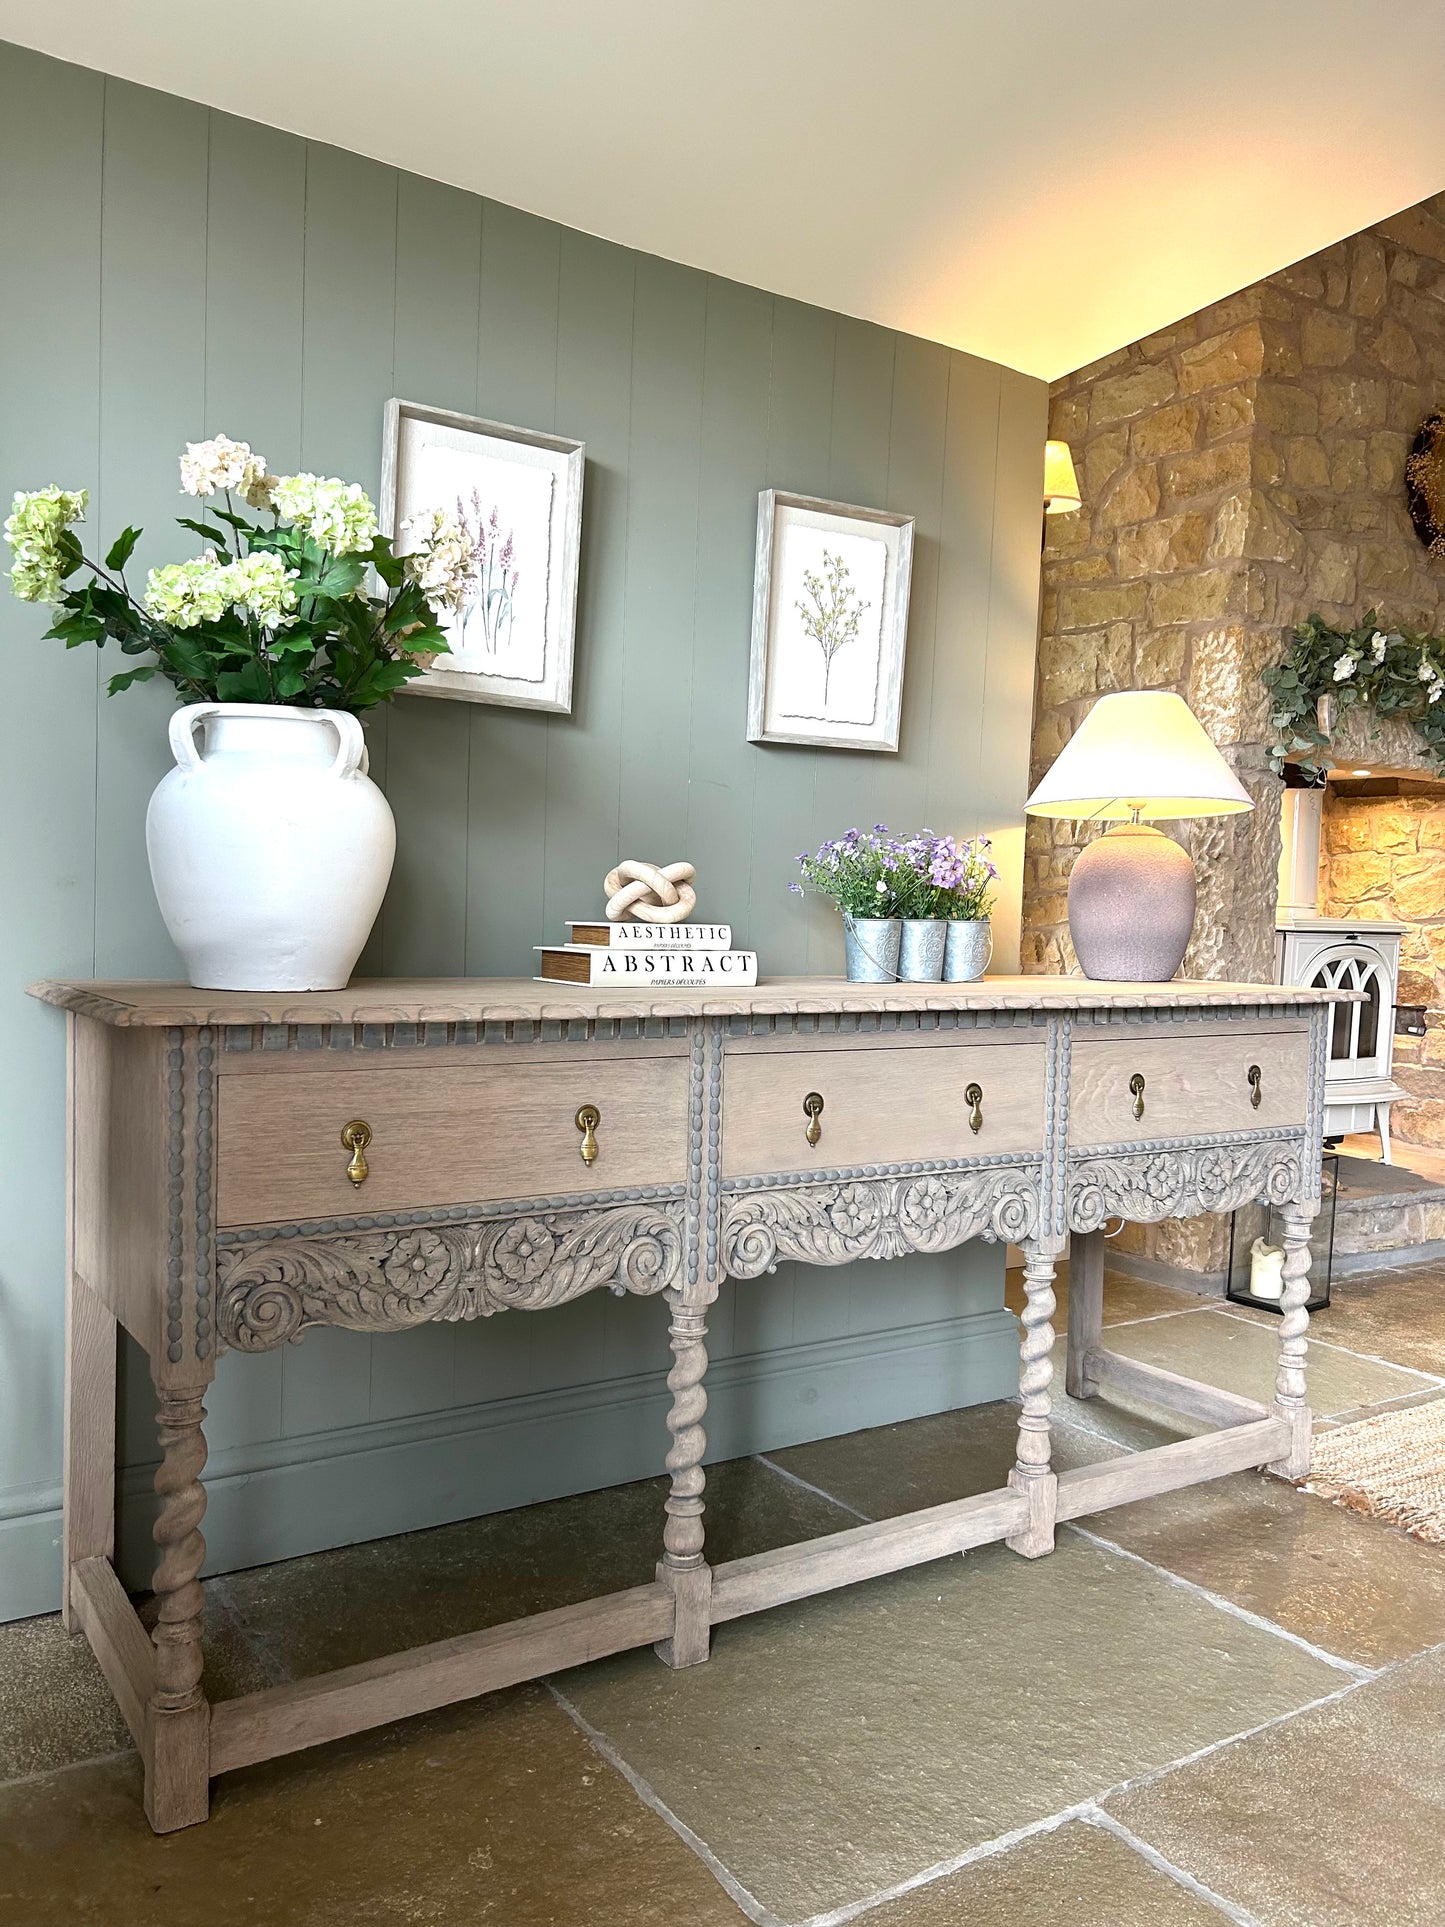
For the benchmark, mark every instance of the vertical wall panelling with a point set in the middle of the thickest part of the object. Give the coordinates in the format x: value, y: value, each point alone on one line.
x: 172, y: 272
x: 595, y: 299
x: 1008, y: 696
x: 517, y: 383
x: 800, y: 419
x: 49, y: 372
x: 664, y: 454
x: 438, y: 294
x: 955, y: 745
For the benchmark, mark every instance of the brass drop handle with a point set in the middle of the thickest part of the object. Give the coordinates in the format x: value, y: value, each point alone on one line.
x: 973, y: 1097
x: 355, y: 1139
x: 1136, y: 1091
x: 1256, y: 1085
x: 587, y: 1120
x: 813, y: 1111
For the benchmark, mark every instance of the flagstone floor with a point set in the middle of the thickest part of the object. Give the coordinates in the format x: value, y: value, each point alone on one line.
x: 1227, y: 1703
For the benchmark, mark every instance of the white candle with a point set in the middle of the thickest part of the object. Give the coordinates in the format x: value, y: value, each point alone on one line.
x: 1266, y: 1270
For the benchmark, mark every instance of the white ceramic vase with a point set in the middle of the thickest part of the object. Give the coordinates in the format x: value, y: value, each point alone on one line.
x: 270, y: 847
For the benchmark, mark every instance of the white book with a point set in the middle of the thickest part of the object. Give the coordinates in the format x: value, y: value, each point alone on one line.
x: 603, y: 965
x: 651, y: 936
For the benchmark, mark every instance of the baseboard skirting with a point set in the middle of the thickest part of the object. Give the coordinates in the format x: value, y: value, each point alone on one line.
x: 1152, y: 1271
x: 286, y: 1497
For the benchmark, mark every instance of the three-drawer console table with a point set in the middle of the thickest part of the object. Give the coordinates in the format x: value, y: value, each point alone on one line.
x: 243, y: 1167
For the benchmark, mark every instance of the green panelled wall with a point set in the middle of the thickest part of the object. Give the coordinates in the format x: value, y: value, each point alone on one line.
x: 170, y: 272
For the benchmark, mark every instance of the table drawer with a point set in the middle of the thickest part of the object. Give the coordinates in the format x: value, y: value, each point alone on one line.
x: 880, y: 1106
x: 453, y: 1134
x: 1195, y: 1083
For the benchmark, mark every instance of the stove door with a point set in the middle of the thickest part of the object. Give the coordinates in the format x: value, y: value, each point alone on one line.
x: 1360, y: 1034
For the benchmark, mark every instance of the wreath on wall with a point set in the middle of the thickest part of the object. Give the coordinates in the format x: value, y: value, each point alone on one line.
x: 1325, y: 670
x: 1425, y: 483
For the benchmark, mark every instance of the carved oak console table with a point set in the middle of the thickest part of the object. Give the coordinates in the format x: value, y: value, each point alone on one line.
x: 243, y: 1167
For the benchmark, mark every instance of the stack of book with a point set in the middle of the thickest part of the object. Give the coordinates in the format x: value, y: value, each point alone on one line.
x: 668, y: 956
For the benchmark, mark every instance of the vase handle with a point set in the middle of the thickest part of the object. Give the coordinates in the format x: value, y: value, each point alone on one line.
x: 183, y: 732
x: 351, y: 755
x: 351, y: 743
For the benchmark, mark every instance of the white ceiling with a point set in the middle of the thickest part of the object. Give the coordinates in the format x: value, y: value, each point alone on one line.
x: 1033, y: 180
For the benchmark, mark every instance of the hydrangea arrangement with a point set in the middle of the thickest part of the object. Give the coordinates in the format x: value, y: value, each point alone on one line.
x: 869, y: 873
x: 1394, y: 672
x: 275, y: 612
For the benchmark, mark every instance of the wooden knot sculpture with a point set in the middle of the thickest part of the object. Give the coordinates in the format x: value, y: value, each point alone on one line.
x: 650, y: 892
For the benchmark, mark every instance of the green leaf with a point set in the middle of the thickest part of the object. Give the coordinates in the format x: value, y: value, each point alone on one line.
x: 121, y: 550
x: 247, y: 685
x: 128, y: 676
x: 207, y: 531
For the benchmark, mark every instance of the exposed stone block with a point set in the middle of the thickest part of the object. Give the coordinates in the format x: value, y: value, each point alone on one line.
x: 1206, y: 596
x: 1285, y: 409
x: 1159, y: 661
x: 1101, y: 459
x: 1168, y: 431
x: 1330, y: 573
x: 1134, y: 497
x: 1160, y: 547
x: 1269, y: 536
x: 1205, y: 470
x: 1359, y: 878
x: 1227, y: 410
x: 1305, y: 461
x: 1120, y: 397
x: 1222, y: 359
x: 1090, y: 607
x: 1394, y: 348
x: 1326, y: 340
x: 1367, y: 275
x: 1418, y: 884
x: 1348, y: 464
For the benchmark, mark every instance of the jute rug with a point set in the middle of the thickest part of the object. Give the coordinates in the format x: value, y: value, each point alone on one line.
x: 1391, y: 1467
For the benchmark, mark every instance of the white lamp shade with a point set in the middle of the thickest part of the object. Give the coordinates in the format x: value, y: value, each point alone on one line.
x: 1061, y: 485
x: 1141, y: 752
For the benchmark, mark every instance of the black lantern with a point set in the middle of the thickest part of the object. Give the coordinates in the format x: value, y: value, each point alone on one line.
x: 1256, y: 1241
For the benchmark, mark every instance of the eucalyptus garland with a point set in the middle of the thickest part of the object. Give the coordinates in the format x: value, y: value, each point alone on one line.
x: 1392, y: 671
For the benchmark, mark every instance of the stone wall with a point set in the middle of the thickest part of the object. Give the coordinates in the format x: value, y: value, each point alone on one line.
x: 1238, y: 471
x: 1384, y: 856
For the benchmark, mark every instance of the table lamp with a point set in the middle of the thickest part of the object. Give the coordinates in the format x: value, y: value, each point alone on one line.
x: 1140, y: 754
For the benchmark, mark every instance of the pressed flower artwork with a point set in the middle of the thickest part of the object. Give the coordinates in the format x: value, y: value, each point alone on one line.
x: 514, y: 500
x: 830, y: 622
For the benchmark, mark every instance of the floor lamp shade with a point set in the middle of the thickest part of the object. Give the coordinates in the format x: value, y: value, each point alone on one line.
x: 1137, y: 756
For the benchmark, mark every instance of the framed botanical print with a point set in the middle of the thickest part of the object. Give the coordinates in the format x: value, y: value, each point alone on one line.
x: 830, y: 623
x: 518, y: 496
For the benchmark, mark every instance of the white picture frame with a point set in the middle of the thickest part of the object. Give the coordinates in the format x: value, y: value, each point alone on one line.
x: 521, y: 492
x: 830, y: 623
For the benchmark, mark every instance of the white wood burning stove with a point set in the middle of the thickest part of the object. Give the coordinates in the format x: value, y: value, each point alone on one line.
x: 1344, y: 953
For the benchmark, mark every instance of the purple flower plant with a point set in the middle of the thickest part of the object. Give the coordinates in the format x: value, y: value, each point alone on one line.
x: 869, y: 873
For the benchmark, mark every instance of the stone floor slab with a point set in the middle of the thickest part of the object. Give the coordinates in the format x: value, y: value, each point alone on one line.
x: 1333, y: 1819
x: 1394, y: 1315
x: 834, y: 1748
x: 55, y: 1706
x: 1076, y: 1876
x: 1125, y: 1298
x: 362, y: 1602
x: 1240, y: 1354
x: 499, y: 1813
x: 1338, y: 1580
x: 927, y: 1461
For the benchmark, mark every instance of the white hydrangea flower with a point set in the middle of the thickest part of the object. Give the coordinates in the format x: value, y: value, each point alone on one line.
x: 1378, y: 645
x: 337, y: 515
x: 210, y: 468
x: 33, y: 528
x: 1344, y: 668
x: 442, y: 561
x: 1427, y: 671
x: 261, y: 584
x: 186, y: 594
x: 1435, y: 691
